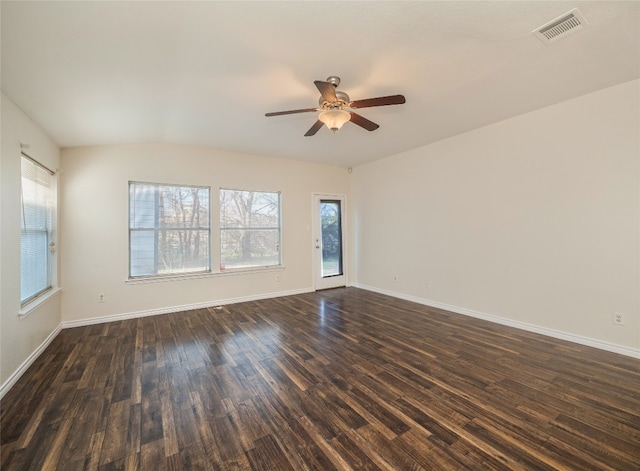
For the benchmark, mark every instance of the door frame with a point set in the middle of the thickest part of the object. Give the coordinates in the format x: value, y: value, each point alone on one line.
x: 334, y: 281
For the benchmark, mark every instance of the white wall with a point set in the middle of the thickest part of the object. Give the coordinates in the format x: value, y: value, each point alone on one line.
x: 534, y: 219
x: 95, y: 221
x: 19, y: 338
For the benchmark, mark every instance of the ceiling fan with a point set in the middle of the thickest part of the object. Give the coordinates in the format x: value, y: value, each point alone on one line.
x: 335, y: 107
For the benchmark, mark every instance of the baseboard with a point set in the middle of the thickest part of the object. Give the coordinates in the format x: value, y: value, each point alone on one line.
x: 184, y: 307
x: 8, y: 384
x: 610, y: 347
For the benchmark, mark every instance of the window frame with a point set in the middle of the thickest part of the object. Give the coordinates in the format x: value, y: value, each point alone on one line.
x: 156, y: 228
x: 50, y: 249
x: 221, y: 229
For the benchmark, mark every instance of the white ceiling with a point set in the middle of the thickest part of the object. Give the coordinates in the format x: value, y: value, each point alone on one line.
x: 204, y: 73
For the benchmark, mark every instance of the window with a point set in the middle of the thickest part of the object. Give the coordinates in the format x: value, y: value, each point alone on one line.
x: 249, y: 229
x: 36, y: 241
x: 169, y: 230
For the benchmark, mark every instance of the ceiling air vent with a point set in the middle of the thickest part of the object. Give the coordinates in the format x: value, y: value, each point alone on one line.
x: 561, y: 27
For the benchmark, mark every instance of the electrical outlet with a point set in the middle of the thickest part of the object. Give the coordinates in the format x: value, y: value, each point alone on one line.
x: 101, y: 298
x: 618, y: 318
x: 278, y: 278
x: 426, y: 285
x: 395, y: 277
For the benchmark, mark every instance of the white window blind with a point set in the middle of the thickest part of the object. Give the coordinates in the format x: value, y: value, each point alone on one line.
x: 249, y: 229
x: 36, y: 243
x: 169, y: 229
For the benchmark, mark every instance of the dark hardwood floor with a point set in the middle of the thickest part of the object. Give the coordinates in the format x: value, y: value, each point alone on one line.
x: 339, y: 379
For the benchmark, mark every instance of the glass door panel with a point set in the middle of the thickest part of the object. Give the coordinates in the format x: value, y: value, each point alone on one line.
x: 331, y: 231
x: 328, y: 241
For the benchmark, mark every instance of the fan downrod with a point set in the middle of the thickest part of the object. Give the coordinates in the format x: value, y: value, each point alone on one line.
x: 334, y: 80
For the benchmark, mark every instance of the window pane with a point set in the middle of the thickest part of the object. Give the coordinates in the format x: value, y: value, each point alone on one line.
x: 143, y: 253
x: 249, y: 229
x: 37, y: 207
x: 331, y: 228
x: 169, y: 229
x: 182, y: 251
x: 248, y: 248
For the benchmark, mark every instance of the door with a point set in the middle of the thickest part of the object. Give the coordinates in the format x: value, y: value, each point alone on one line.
x: 328, y: 242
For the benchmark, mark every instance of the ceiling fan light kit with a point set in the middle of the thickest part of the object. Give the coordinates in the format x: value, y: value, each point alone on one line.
x: 335, y: 107
x: 334, y: 119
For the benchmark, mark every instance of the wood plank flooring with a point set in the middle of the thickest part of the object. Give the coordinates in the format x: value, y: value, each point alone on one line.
x: 334, y: 380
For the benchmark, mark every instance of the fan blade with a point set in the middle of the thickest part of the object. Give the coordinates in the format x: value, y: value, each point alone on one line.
x: 380, y: 101
x: 363, y: 122
x: 327, y: 90
x: 315, y: 128
x: 279, y: 113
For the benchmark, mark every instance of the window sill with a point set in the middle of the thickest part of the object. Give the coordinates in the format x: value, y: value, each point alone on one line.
x: 197, y: 276
x: 37, y: 302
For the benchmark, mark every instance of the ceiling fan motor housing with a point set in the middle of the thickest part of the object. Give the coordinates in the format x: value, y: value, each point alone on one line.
x: 342, y: 101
